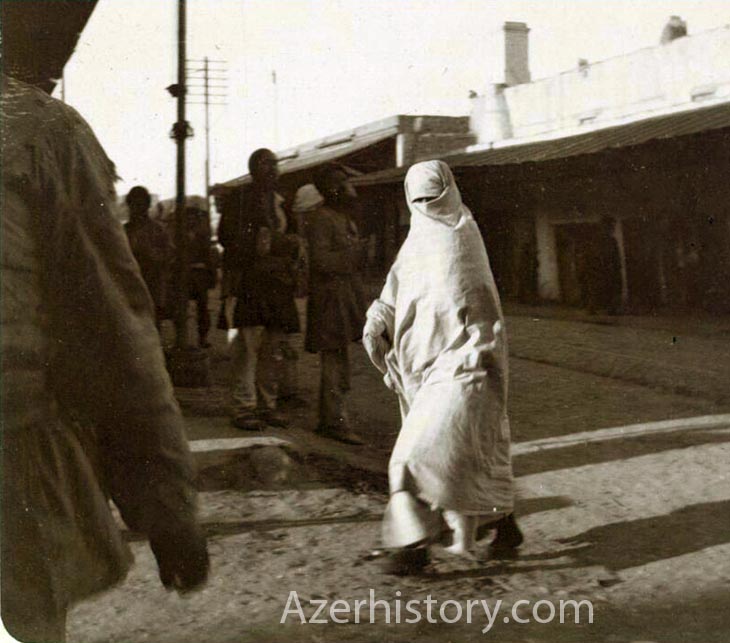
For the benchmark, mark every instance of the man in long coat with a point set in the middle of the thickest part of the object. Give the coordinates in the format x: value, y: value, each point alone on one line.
x: 336, y: 305
x: 263, y: 317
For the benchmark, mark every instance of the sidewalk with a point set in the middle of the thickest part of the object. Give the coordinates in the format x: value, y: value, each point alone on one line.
x: 644, y: 537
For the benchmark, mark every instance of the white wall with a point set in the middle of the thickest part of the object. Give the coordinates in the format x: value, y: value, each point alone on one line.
x: 689, y: 71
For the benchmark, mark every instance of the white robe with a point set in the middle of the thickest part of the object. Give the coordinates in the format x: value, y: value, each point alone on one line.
x: 437, y: 332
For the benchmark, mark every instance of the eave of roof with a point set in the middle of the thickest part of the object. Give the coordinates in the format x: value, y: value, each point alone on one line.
x: 636, y: 132
x: 337, y: 148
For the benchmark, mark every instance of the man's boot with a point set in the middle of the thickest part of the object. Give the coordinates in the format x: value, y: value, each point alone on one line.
x: 345, y: 436
x: 274, y: 418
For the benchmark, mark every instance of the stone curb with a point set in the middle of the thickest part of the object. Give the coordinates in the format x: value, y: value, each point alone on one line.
x: 261, y: 462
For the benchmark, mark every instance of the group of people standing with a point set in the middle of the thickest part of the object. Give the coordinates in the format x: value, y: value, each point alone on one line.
x: 272, y: 256
x: 153, y: 247
x: 266, y: 253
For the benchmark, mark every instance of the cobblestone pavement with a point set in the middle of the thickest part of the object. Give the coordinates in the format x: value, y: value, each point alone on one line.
x: 666, y: 359
x: 566, y: 376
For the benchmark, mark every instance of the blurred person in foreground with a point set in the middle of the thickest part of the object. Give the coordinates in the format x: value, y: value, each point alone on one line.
x: 336, y: 305
x: 437, y: 334
x: 88, y: 411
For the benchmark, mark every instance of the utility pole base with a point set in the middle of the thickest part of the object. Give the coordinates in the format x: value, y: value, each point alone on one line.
x: 189, y: 367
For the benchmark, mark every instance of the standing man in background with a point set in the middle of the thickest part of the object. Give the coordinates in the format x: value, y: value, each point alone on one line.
x: 202, y: 275
x: 336, y: 306
x: 151, y: 247
x: 293, y: 245
x: 256, y: 360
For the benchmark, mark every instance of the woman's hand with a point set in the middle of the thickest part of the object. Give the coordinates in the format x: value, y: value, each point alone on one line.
x: 375, y: 343
x: 377, y: 348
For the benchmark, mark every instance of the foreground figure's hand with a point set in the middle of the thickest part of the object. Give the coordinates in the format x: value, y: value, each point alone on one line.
x: 182, y: 558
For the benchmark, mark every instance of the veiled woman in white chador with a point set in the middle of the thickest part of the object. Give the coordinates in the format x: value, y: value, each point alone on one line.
x: 437, y: 334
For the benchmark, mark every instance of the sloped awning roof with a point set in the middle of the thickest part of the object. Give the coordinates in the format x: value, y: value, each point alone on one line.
x: 626, y: 135
x: 326, y: 152
x: 39, y: 37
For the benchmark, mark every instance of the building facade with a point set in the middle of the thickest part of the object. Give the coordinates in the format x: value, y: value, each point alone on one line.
x: 603, y: 187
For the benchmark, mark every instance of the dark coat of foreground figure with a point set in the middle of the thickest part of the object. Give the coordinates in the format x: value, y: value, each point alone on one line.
x: 88, y: 410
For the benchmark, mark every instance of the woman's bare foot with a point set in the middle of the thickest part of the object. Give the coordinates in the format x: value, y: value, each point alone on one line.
x: 465, y: 529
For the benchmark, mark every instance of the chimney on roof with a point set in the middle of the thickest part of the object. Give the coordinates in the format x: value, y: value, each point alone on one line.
x: 675, y: 28
x: 516, y: 53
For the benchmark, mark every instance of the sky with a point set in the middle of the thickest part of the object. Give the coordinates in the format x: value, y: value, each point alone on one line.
x: 338, y: 64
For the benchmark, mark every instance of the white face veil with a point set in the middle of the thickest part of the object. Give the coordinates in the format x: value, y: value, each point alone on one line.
x: 433, y: 180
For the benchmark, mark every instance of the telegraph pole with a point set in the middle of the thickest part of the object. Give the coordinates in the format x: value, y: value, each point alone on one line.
x: 207, y: 136
x: 188, y: 366
x: 180, y: 132
x: 210, y: 79
x: 276, y: 107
